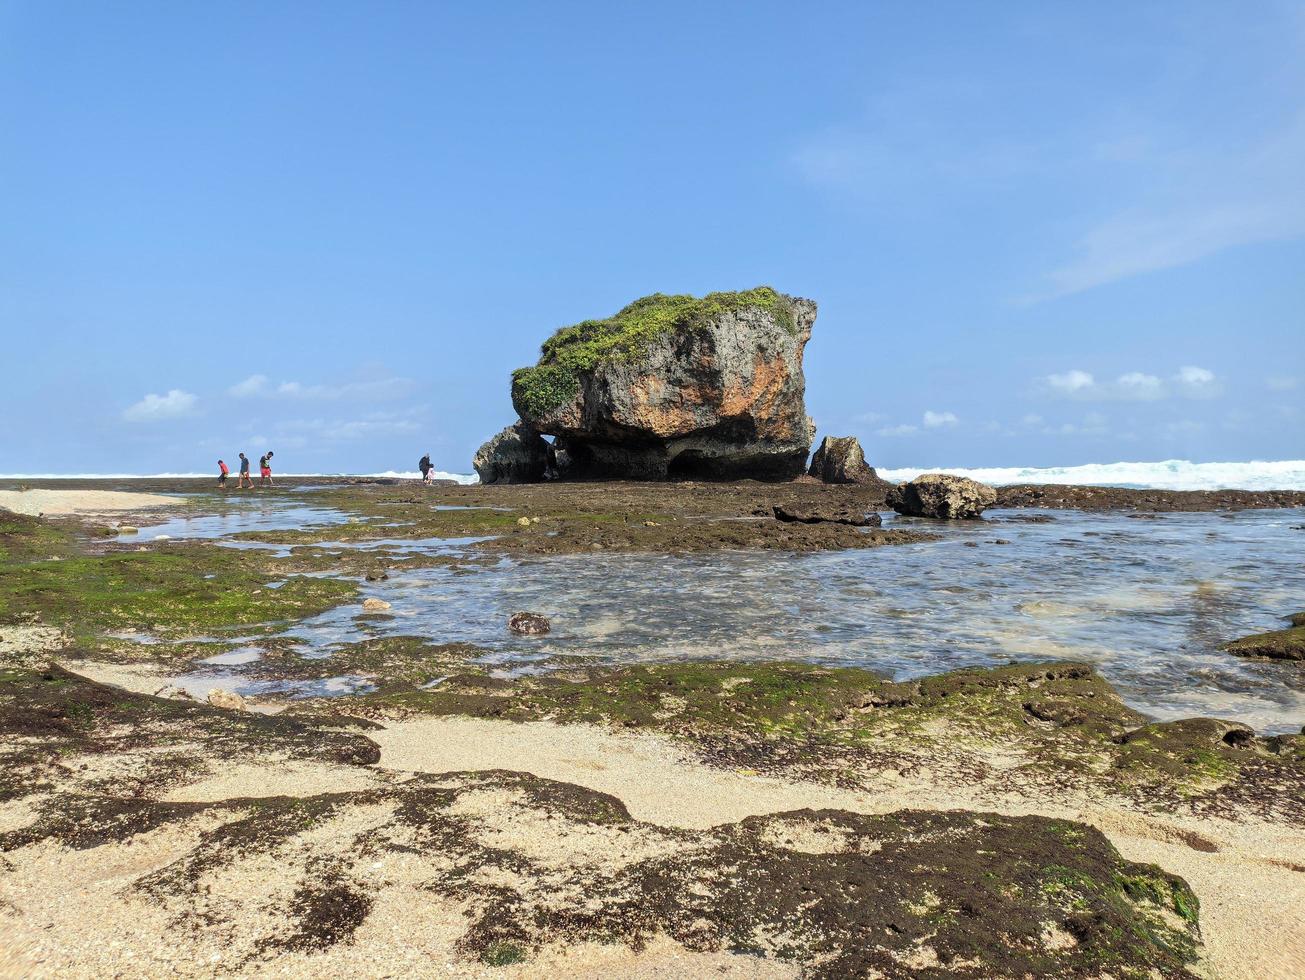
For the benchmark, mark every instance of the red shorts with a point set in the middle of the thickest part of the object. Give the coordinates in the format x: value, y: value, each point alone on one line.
x: 266, y: 471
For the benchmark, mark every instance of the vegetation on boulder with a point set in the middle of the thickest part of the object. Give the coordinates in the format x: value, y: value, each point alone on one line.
x: 555, y: 381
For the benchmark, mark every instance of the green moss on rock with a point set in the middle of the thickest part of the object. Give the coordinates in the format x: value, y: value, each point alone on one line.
x: 180, y: 588
x: 574, y: 350
x: 1288, y: 644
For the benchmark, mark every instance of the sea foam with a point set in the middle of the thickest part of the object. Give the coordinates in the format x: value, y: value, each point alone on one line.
x: 1169, y: 474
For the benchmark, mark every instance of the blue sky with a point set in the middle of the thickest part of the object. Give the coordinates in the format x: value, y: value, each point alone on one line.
x: 1039, y: 233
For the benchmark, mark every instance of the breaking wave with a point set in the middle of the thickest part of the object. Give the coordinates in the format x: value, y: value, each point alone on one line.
x: 1169, y: 474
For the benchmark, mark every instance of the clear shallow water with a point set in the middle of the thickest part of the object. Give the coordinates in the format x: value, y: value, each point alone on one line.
x: 241, y: 514
x: 1148, y: 601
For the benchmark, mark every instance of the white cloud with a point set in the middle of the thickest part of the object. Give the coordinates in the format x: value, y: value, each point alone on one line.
x: 898, y: 430
x: 153, y: 408
x: 1032, y: 419
x: 1189, y: 381
x: 1280, y: 383
x: 936, y: 420
x: 1197, y: 382
x: 253, y: 385
x: 379, y: 389
x: 1071, y: 381
x: 372, y: 424
x: 371, y: 389
x: 1141, y: 386
x: 1194, y: 376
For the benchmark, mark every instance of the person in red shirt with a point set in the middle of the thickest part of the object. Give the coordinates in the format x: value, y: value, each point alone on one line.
x: 222, y: 474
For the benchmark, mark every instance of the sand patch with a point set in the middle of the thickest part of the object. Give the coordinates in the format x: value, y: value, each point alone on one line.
x: 26, y: 640
x: 40, y: 503
x: 1241, y: 872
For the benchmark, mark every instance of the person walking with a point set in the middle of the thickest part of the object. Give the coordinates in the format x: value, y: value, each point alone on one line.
x: 222, y: 474
x: 425, y: 468
x: 265, y: 471
x: 244, y: 473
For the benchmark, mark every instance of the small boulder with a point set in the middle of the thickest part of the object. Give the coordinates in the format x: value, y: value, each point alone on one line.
x: 825, y: 513
x: 220, y: 698
x: 518, y: 454
x: 375, y: 605
x: 174, y: 693
x: 529, y: 624
x: 942, y: 495
x: 840, y: 460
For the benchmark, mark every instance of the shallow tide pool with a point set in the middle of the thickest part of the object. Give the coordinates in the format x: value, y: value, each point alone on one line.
x: 1148, y: 601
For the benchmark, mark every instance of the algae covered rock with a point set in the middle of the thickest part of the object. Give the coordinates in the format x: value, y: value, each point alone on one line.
x: 841, y: 460
x: 677, y: 387
x: 1288, y: 644
x: 518, y: 454
x: 942, y: 495
x: 822, y: 513
x: 529, y: 624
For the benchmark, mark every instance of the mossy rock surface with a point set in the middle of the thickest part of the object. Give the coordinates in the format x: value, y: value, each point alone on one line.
x: 49, y: 714
x: 1056, y: 725
x: 627, y: 335
x: 180, y: 588
x: 1288, y: 644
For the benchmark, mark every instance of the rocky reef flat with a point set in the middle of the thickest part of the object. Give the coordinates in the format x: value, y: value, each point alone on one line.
x: 451, y: 811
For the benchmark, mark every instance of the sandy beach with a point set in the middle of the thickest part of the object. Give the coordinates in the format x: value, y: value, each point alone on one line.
x: 189, y: 799
x: 51, y: 502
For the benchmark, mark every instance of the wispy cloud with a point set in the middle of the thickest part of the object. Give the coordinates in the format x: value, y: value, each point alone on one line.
x: 370, y: 390
x: 154, y: 408
x: 1189, y: 381
x: 938, y: 420
x: 1212, y: 200
x: 369, y: 425
x: 1131, y: 182
x: 1281, y: 383
x: 253, y: 385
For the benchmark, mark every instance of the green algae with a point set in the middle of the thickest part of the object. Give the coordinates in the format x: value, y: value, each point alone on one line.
x: 628, y: 335
x: 1053, y: 722
x: 1288, y: 644
x: 181, y: 588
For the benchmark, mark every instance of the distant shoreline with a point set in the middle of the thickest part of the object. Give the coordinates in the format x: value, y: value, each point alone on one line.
x: 1171, y: 474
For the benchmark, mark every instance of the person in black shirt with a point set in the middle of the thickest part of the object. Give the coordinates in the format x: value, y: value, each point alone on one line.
x: 244, y: 473
x: 425, y: 468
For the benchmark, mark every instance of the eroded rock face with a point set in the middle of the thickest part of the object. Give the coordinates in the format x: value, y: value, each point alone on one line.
x: 677, y: 387
x: 942, y: 495
x: 841, y: 460
x: 518, y: 454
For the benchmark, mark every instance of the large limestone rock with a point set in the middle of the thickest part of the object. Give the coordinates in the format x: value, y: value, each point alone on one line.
x: 841, y: 460
x: 677, y: 387
x: 942, y: 495
x: 518, y: 454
